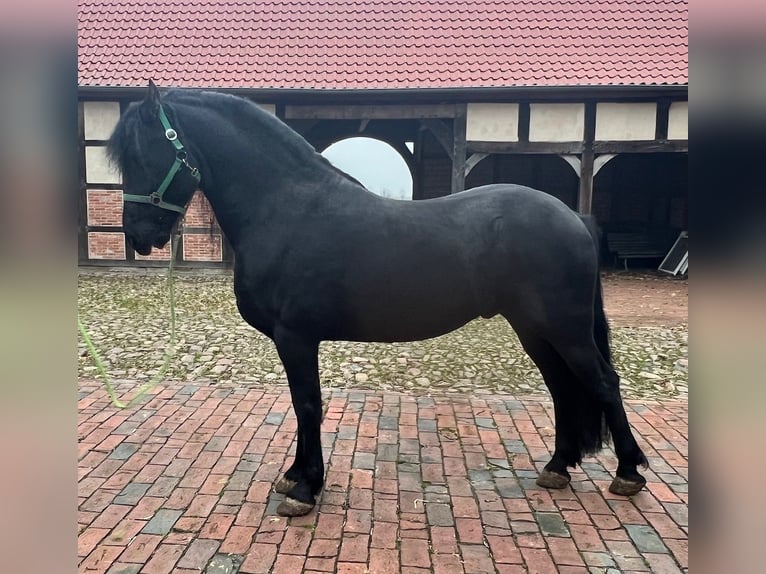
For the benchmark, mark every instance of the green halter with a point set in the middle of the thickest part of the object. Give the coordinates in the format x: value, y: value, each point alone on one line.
x: 155, y: 198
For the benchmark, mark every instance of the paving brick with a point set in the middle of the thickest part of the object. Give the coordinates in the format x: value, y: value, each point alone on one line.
x: 216, y: 526
x: 162, y: 522
x: 476, y: 558
x: 384, y: 561
x: 259, y: 559
x: 163, y: 560
x: 132, y: 493
x: 140, y: 548
x: 198, y: 554
x: 415, y: 553
x: 645, y: 538
x: 354, y: 548
x: 415, y: 485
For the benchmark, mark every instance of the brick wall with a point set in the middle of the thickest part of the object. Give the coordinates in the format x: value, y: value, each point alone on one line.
x: 106, y: 245
x: 199, y: 213
x: 156, y: 254
x: 104, y: 207
x: 202, y: 247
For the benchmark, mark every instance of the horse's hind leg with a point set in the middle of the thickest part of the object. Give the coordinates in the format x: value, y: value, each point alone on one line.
x: 306, y: 477
x: 599, y: 379
x: 578, y: 418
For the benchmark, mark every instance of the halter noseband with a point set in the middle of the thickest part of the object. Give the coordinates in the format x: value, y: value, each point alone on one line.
x: 155, y: 198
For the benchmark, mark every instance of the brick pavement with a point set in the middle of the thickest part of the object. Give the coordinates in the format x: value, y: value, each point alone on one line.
x: 414, y: 484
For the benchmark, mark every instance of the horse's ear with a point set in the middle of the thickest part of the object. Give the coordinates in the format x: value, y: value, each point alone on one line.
x: 150, y: 107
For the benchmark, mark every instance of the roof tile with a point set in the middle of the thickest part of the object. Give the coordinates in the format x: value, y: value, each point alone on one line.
x: 359, y: 44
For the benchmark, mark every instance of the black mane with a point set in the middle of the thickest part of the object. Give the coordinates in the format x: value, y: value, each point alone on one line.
x: 124, y: 142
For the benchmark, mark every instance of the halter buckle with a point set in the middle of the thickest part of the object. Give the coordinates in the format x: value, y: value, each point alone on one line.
x: 171, y: 134
x: 154, y: 199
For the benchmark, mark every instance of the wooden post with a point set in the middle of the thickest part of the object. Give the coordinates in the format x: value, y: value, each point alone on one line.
x: 458, y: 150
x: 585, y: 199
x: 586, y: 181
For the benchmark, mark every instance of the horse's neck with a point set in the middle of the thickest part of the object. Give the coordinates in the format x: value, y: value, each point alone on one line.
x: 250, y: 179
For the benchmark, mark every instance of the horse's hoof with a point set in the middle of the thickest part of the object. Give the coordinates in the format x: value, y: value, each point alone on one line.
x: 284, y: 485
x: 550, y: 479
x: 625, y: 487
x: 292, y: 507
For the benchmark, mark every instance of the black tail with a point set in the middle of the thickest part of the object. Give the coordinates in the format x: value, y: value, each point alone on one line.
x: 600, y: 324
x: 594, y: 431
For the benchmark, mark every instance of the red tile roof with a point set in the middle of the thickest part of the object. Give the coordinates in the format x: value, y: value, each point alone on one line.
x: 358, y: 44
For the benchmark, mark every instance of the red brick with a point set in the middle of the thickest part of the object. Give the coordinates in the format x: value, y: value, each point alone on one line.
x: 238, y: 539
x: 680, y: 550
x: 329, y: 526
x: 415, y: 553
x: 88, y: 540
x: 140, y: 548
x: 354, y: 548
x: 384, y: 535
x: 469, y: 530
x: 288, y: 564
x: 384, y: 561
x: 259, y: 560
x: 476, y: 558
x: 214, y: 484
x: 217, y: 526
x: 146, y: 508
x: 163, y: 560
x: 352, y: 568
x: 443, y: 540
x: 201, y: 505
x: 538, y: 561
x: 586, y: 538
x: 358, y: 521
x: 124, y: 532
x: 447, y: 564
x: 564, y: 552
x: 100, y: 559
x: 665, y: 526
x: 320, y: 565
x: 662, y: 564
x: 464, y: 507
x: 296, y: 540
x: 324, y: 548
x: 504, y: 549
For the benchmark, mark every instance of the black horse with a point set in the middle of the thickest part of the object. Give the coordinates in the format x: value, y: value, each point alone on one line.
x: 319, y: 257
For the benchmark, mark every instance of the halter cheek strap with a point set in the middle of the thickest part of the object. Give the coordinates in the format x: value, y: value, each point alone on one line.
x: 155, y: 198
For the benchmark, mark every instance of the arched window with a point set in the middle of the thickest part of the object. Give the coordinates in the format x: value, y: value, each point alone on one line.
x: 376, y: 164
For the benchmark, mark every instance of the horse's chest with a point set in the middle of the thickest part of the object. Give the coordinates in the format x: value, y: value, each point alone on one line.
x: 255, y: 312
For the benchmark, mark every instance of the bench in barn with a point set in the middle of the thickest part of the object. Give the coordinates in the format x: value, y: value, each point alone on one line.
x: 637, y: 245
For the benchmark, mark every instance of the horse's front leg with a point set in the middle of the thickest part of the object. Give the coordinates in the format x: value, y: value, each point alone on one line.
x: 305, y: 478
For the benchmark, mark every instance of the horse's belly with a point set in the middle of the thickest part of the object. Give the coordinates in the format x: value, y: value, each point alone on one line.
x: 404, y: 315
x: 395, y: 328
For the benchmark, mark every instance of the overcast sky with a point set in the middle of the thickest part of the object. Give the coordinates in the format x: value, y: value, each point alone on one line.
x: 376, y: 164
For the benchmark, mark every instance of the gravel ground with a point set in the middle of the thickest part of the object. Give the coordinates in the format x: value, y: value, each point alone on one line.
x: 126, y: 315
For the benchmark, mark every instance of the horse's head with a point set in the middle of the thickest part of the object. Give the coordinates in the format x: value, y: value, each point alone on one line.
x: 159, y: 175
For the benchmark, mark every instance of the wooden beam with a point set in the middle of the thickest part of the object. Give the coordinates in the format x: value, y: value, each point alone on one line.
x: 472, y: 161
x: 648, y: 146
x: 585, y: 199
x: 601, y: 161
x: 459, y: 150
x: 524, y: 113
x: 663, y: 115
x: 585, y: 196
x: 442, y: 132
x: 380, y: 112
x: 557, y: 148
x: 575, y: 148
x: 574, y: 163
